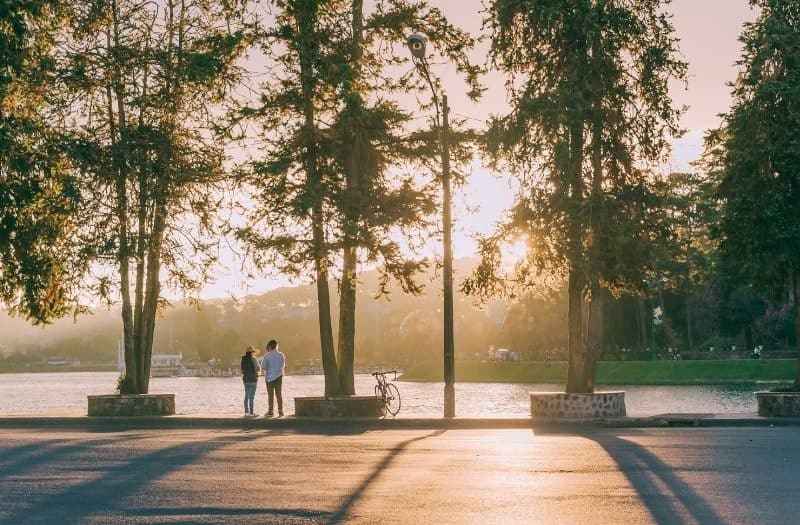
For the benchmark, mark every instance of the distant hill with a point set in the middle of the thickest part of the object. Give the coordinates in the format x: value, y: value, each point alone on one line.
x: 397, y: 328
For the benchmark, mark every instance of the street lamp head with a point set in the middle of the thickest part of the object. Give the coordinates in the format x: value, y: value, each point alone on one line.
x: 416, y: 44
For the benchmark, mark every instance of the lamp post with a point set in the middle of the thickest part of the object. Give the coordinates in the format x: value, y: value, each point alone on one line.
x: 416, y: 44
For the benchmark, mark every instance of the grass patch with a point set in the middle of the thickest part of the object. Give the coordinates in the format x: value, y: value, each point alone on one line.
x: 619, y: 372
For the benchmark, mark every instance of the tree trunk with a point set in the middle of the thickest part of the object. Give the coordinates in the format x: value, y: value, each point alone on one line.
x: 347, y: 296
x: 579, y: 375
x: 748, y: 338
x: 121, y: 188
x: 597, y: 324
x: 329, y: 366
x: 796, y: 293
x: 689, y: 324
x: 595, y: 310
x: 347, y: 323
x: 641, y: 311
x: 306, y: 19
x: 152, y: 293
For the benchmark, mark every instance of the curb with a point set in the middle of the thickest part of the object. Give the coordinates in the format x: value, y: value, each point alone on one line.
x: 320, y: 424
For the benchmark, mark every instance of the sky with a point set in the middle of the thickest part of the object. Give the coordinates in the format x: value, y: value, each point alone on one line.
x: 708, y: 31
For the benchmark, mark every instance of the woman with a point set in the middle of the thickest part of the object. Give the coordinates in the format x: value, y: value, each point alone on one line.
x: 250, y: 378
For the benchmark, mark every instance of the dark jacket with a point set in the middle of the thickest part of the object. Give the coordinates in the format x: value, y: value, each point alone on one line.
x: 249, y: 369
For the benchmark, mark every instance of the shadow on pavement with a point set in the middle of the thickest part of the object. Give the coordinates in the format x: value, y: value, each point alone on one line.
x: 196, y: 512
x: 109, y: 492
x: 342, y: 513
x: 28, y: 457
x: 662, y: 491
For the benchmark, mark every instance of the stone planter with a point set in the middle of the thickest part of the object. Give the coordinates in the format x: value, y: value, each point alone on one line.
x: 132, y: 405
x: 338, y: 407
x: 558, y: 405
x: 778, y: 404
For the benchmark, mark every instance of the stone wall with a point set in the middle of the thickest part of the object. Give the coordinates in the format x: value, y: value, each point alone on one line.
x: 558, y: 405
x: 132, y: 405
x: 775, y: 404
x: 338, y: 407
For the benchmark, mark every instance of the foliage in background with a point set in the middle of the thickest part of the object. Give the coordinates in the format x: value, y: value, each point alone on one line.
x: 41, y: 267
x: 756, y: 156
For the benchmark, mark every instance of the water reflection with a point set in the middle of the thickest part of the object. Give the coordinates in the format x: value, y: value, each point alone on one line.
x: 65, y: 394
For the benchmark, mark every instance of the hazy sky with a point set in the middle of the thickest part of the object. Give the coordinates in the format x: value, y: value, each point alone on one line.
x: 708, y: 30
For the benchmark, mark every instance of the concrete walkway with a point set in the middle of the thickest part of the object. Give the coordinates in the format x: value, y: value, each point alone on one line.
x: 352, y: 475
x: 290, y: 423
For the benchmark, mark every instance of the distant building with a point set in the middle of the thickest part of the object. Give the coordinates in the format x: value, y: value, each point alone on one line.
x: 62, y: 361
x: 503, y: 354
x: 157, y: 361
x: 166, y: 360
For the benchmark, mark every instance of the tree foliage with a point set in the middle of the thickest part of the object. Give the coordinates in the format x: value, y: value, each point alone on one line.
x: 338, y: 180
x: 588, y: 83
x: 142, y: 87
x: 756, y: 156
x: 40, y: 266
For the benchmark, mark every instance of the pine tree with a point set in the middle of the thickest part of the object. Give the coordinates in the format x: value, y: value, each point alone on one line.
x: 588, y: 85
x: 334, y: 178
x: 756, y: 157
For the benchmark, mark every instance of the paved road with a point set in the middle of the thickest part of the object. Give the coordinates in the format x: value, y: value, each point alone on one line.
x: 661, y: 476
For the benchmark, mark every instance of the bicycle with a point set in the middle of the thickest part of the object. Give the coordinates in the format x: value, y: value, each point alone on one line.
x: 387, y: 392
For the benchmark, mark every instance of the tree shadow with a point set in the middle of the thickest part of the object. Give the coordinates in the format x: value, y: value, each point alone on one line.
x: 344, y: 510
x: 662, y: 491
x: 228, y: 512
x: 110, y: 491
x: 29, y: 457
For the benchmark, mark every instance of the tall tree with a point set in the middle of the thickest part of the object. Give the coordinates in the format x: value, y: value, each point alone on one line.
x: 143, y: 86
x: 757, y: 157
x: 333, y: 185
x: 377, y: 138
x: 292, y: 226
x: 588, y: 86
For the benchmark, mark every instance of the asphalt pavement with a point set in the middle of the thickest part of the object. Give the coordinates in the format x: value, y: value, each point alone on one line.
x: 433, y: 476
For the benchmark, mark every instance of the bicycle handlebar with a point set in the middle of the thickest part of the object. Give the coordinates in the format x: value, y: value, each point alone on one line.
x: 386, y: 373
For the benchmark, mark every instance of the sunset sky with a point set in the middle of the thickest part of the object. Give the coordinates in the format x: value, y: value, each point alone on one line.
x: 708, y: 30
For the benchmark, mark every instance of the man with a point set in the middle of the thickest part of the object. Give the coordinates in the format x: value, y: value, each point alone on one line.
x: 273, y: 364
x: 250, y: 378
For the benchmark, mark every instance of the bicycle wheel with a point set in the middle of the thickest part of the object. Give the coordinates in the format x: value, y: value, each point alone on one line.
x: 392, y: 399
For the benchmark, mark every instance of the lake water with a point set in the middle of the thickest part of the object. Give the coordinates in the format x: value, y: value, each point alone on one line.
x: 65, y: 394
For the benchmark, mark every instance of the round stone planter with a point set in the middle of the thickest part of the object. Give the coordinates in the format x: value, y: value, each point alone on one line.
x: 778, y: 404
x: 559, y: 405
x: 338, y: 407
x: 132, y: 405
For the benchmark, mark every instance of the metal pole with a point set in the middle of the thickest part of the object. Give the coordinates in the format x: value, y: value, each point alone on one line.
x: 447, y: 227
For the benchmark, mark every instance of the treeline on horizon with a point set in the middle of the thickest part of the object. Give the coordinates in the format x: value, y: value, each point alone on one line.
x: 119, y: 119
x: 405, y: 331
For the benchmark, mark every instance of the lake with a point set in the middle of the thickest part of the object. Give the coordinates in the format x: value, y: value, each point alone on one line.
x: 65, y: 394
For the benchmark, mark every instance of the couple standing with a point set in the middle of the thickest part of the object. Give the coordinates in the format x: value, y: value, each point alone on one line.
x: 272, y: 363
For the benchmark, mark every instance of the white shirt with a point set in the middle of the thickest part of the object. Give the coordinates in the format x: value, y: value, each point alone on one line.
x: 273, y: 364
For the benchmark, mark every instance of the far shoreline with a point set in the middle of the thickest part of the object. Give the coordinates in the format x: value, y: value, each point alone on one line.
x: 611, y: 373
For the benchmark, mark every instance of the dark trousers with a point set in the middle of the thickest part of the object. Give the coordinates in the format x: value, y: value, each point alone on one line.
x: 273, y: 391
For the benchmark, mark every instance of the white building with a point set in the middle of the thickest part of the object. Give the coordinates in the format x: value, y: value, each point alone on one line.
x: 503, y: 354
x: 166, y: 360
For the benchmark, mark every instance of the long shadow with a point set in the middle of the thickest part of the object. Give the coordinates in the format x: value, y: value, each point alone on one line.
x: 14, y: 454
x: 109, y: 492
x: 344, y: 510
x: 28, y: 457
x: 645, y: 470
x: 263, y: 513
